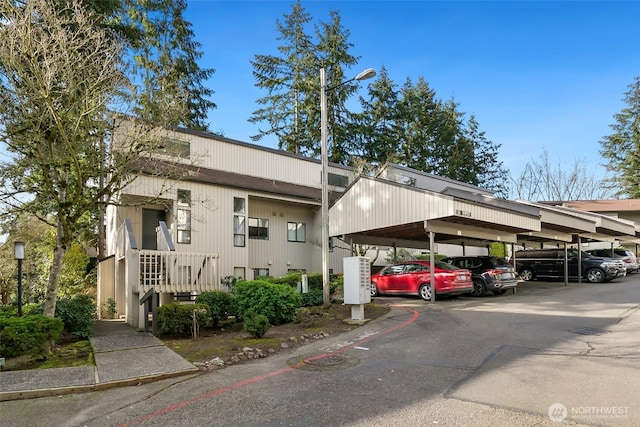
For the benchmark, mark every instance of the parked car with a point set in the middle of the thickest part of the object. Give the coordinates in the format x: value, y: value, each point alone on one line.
x: 549, y: 263
x: 414, y: 278
x: 629, y: 259
x: 490, y: 274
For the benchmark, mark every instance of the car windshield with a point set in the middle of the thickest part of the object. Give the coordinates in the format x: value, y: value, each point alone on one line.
x: 446, y: 266
x: 499, y: 262
x: 573, y: 253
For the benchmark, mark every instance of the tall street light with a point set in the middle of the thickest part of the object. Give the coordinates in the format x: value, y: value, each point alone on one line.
x: 18, y: 252
x: 366, y: 74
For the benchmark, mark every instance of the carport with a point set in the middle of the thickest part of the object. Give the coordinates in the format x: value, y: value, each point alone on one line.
x: 380, y: 212
x: 557, y: 226
x: 567, y: 225
x: 607, y: 228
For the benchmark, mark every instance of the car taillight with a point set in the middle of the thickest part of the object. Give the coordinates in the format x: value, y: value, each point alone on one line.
x: 494, y: 272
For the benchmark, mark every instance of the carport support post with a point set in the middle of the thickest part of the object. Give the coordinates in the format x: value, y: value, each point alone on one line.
x: 579, y: 259
x: 566, y: 265
x: 432, y: 265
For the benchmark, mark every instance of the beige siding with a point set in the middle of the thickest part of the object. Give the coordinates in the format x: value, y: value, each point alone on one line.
x: 253, y: 160
x: 496, y: 216
x: 278, y: 254
x: 560, y: 219
x: 372, y: 204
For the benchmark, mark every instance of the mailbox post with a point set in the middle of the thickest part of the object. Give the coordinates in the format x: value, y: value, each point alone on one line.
x: 357, y: 284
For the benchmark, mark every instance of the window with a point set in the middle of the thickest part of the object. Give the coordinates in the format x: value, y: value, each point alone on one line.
x: 337, y: 180
x: 238, y: 205
x: 257, y: 272
x: 238, y: 273
x: 174, y: 148
x: 296, y: 232
x: 184, y: 216
x: 259, y: 228
x: 238, y: 230
x: 239, y: 210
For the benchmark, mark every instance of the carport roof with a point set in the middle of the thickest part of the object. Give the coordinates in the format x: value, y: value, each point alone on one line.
x: 608, y: 228
x: 377, y: 211
x: 558, y: 224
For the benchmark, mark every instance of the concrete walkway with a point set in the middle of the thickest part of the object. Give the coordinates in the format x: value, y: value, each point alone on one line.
x: 123, y: 356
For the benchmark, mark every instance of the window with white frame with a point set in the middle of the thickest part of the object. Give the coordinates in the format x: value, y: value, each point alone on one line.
x: 296, y: 232
x: 238, y: 230
x: 239, y: 210
x: 259, y: 228
x: 184, y: 216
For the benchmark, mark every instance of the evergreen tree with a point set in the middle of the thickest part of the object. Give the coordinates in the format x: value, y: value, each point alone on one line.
x: 447, y: 158
x: 291, y: 108
x: 288, y: 80
x: 170, y: 84
x: 622, y: 147
x: 377, y: 139
x: 418, y: 126
x: 334, y: 47
x: 489, y: 171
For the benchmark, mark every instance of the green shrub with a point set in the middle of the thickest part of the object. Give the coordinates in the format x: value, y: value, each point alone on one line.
x: 314, y: 281
x: 28, y: 335
x: 291, y: 279
x: 256, y: 324
x: 77, y: 315
x: 221, y: 305
x: 109, y: 309
x: 278, y: 302
x: 313, y: 297
x: 176, y: 319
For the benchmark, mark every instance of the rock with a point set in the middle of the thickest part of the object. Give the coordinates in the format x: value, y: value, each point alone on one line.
x: 284, y: 345
x: 216, y: 361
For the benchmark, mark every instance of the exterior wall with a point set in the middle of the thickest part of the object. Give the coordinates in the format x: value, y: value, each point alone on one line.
x: 225, y: 154
x: 278, y: 254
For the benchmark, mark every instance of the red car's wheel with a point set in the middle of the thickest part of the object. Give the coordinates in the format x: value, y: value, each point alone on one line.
x: 374, y: 290
x: 425, y: 291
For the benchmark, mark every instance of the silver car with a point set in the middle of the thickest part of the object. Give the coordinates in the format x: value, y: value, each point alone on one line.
x: 625, y: 255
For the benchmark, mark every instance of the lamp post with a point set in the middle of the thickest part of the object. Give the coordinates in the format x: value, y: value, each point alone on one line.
x: 366, y: 74
x: 18, y: 252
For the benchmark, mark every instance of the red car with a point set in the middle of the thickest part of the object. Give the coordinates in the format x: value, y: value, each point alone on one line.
x: 413, y: 277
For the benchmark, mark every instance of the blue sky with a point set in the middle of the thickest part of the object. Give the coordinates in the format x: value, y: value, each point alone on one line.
x: 540, y: 74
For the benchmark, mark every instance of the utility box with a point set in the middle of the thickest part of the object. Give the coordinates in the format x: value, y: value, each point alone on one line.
x: 357, y: 280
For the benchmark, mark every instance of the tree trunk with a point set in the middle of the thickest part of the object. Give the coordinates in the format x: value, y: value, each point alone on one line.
x: 54, y: 275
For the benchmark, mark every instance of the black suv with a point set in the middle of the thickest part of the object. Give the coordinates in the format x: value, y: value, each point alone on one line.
x: 489, y: 273
x: 549, y: 263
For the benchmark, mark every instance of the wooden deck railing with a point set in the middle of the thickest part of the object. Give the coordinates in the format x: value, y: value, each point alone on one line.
x: 169, y: 271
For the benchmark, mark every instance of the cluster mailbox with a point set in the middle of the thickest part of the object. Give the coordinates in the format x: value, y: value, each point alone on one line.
x: 357, y: 284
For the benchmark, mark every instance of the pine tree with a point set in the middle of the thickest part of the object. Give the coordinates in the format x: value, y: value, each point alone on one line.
x: 489, y: 171
x: 171, y: 87
x: 377, y: 139
x: 288, y: 81
x: 622, y: 147
x: 291, y: 108
x: 417, y: 125
x: 334, y: 47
